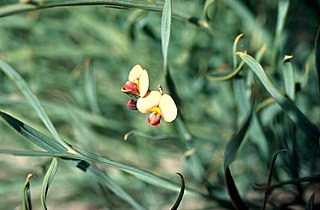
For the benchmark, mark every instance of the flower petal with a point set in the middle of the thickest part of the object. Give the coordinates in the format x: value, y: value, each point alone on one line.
x: 168, y: 108
x: 143, y: 83
x: 135, y: 73
x: 154, y: 119
x: 150, y: 100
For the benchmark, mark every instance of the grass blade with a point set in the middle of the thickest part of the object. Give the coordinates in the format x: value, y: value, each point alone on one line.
x: 310, y: 203
x: 53, y: 150
x: 235, y: 142
x: 26, y: 200
x: 52, y: 170
x: 179, y: 199
x: 90, y: 87
x: 273, y: 161
x: 288, y: 76
x: 32, y: 99
x: 165, y: 30
x: 287, y: 105
x: 317, y: 55
x: 233, y: 192
x: 207, y: 4
x: 30, y: 133
x: 283, y: 8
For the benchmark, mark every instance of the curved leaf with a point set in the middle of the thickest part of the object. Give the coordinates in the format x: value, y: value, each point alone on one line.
x: 52, y: 170
x: 179, y: 199
x: 317, y: 55
x: 235, y: 142
x: 26, y: 200
x: 233, y: 192
x: 310, y: 203
x: 287, y: 105
x: 32, y: 99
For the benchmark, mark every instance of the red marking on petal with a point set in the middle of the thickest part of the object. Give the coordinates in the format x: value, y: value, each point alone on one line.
x: 154, y: 119
x: 130, y: 87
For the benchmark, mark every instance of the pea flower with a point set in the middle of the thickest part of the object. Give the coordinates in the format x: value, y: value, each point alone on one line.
x: 138, y: 83
x: 159, y: 106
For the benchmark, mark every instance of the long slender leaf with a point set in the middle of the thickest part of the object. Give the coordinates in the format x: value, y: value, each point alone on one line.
x: 288, y: 76
x: 90, y: 87
x: 274, y: 157
x: 310, y: 203
x: 287, y: 105
x: 283, y: 7
x: 235, y: 142
x: 26, y: 200
x: 134, y: 4
x: 52, y: 170
x: 165, y: 30
x: 40, y: 139
x: 26, y: 91
x: 317, y: 55
x: 179, y: 199
x: 33, y: 135
x: 233, y: 192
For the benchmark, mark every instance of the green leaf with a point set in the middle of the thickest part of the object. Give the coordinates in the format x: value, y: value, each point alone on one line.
x: 288, y: 76
x: 317, y: 55
x: 287, y: 105
x: 165, y: 30
x: 179, y: 199
x: 32, y: 99
x: 235, y: 142
x: 52, y: 170
x: 30, y: 133
x: 283, y: 7
x: 310, y: 203
x: 26, y: 200
x: 114, y: 187
x: 274, y: 157
x: 90, y: 87
x: 53, y: 150
x: 207, y: 4
x: 233, y: 191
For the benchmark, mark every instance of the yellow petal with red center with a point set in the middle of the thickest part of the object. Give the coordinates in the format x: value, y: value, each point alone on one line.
x: 135, y: 73
x: 168, y: 108
x: 143, y: 83
x: 150, y: 100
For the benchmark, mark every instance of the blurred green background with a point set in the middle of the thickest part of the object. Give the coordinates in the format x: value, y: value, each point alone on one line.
x: 51, y: 49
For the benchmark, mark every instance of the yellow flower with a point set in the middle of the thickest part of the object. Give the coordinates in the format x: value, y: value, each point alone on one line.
x: 138, y: 83
x: 159, y: 106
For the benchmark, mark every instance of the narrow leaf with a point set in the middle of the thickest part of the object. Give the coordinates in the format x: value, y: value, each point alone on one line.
x: 288, y: 76
x: 233, y: 191
x: 310, y: 203
x: 274, y: 157
x: 90, y: 87
x: 26, y: 200
x: 317, y: 55
x: 32, y: 99
x: 179, y: 199
x: 165, y: 30
x: 207, y: 4
x: 235, y: 142
x: 52, y: 170
x: 287, y: 105
x: 30, y: 133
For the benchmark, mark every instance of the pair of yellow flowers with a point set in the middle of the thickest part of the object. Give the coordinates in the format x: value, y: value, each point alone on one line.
x: 158, y: 104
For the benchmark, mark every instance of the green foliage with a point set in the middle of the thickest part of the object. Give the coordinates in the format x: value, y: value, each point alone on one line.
x: 243, y: 76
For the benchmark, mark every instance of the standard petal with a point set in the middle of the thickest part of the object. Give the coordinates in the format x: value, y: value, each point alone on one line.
x: 143, y: 83
x: 135, y: 73
x: 168, y: 108
x: 150, y: 100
